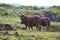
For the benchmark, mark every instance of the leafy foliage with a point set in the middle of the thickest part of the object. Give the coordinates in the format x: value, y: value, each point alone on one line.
x: 3, y: 11
x: 8, y: 16
x: 7, y: 6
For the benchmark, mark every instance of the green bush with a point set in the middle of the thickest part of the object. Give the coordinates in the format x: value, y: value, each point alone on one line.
x: 55, y: 27
x: 3, y: 11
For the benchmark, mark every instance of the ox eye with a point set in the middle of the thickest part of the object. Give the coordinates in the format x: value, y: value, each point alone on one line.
x: 23, y: 17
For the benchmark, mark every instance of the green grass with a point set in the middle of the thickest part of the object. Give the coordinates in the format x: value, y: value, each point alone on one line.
x: 32, y: 35
x: 11, y: 20
x: 54, y: 33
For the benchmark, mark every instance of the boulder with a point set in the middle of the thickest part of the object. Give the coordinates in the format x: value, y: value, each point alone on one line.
x: 8, y: 27
x: 50, y: 14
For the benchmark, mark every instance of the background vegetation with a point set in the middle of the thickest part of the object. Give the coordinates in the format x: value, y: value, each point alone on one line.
x: 7, y: 16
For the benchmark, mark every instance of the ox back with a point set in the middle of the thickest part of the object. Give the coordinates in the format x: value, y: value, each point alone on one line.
x: 31, y: 20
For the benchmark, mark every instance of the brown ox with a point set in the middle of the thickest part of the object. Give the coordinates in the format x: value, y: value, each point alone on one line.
x: 45, y: 22
x: 30, y: 21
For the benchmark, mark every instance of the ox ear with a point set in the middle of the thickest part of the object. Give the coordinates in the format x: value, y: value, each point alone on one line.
x: 20, y: 13
x: 25, y: 13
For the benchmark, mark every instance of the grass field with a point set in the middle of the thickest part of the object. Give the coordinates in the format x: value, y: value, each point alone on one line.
x: 29, y: 35
x: 32, y: 35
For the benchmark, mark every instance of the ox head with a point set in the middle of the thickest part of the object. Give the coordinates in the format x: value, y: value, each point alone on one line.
x: 22, y: 15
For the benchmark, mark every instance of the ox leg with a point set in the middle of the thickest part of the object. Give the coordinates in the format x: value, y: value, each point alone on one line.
x: 26, y: 27
x: 48, y: 28
x: 42, y: 28
x: 36, y: 27
x: 32, y: 28
x: 39, y: 26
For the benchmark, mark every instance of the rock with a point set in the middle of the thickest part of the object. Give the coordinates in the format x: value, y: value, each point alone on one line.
x: 50, y: 14
x: 24, y: 28
x: 16, y: 33
x: 1, y: 26
x: 8, y: 27
x: 1, y: 33
x: 6, y: 32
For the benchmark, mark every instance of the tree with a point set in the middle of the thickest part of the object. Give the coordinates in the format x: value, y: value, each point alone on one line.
x: 7, y: 6
x: 3, y: 11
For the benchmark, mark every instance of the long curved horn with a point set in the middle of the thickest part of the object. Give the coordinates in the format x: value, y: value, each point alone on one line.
x: 23, y: 13
x: 16, y: 13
